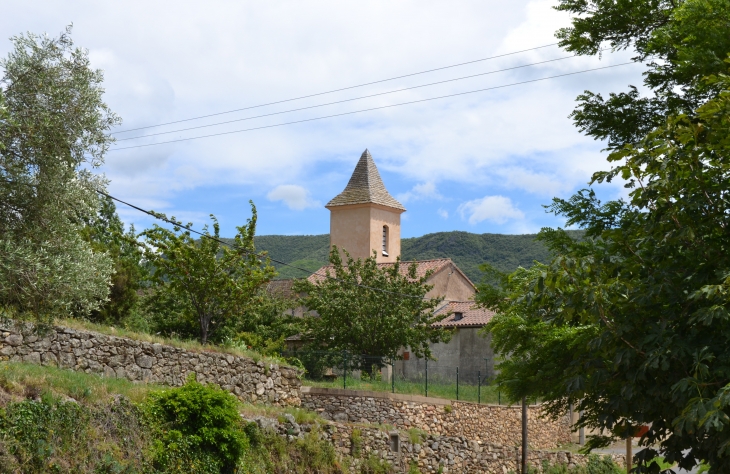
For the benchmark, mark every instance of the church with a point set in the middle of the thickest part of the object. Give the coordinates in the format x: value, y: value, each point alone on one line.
x: 365, y: 218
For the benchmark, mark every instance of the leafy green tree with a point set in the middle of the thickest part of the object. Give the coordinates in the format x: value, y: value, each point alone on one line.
x: 268, y: 323
x: 213, y: 282
x: 105, y: 232
x: 53, y: 131
x: 631, y: 324
x: 370, y: 310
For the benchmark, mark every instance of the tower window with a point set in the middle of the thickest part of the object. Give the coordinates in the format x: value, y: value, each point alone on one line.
x: 385, y: 240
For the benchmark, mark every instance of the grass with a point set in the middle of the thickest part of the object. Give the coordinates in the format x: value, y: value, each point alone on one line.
x: 468, y: 393
x: 189, y: 345
x: 29, y: 380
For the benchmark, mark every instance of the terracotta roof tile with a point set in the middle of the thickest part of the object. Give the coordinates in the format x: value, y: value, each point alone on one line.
x: 471, y: 315
x: 365, y: 186
x: 281, y: 288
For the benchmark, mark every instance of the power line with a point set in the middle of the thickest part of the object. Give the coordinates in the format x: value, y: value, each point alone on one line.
x: 371, y: 109
x: 336, y: 90
x: 163, y: 218
x: 347, y: 100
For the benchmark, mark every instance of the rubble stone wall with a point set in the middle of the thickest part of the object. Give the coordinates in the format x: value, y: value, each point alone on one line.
x: 496, y: 424
x: 90, y: 352
x: 430, y: 453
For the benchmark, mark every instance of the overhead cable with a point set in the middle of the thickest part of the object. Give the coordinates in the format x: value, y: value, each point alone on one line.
x: 336, y: 90
x: 164, y: 218
x: 346, y: 100
x: 373, y: 108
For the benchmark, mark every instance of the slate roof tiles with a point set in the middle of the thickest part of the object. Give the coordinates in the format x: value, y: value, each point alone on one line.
x: 365, y: 186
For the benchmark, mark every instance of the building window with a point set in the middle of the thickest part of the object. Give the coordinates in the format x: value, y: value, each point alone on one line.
x: 458, y: 316
x: 385, y: 240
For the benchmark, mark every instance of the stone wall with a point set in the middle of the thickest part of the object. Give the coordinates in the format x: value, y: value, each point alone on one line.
x: 452, y: 454
x: 112, y: 356
x: 486, y: 423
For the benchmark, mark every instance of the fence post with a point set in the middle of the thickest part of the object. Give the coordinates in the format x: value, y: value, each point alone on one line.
x: 499, y: 396
x: 427, y: 377
x: 479, y: 386
x: 344, y: 372
x: 457, y: 383
x: 392, y: 374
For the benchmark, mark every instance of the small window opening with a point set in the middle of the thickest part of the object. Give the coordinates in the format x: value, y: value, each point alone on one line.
x: 395, y: 442
x: 385, y: 240
x: 458, y: 316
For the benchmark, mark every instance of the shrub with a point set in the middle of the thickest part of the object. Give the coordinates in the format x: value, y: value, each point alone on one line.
x: 196, y: 425
x: 375, y: 465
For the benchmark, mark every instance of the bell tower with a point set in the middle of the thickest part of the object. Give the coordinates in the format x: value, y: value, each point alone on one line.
x: 365, y: 217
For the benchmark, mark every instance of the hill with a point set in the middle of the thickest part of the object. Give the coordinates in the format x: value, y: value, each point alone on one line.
x: 467, y: 250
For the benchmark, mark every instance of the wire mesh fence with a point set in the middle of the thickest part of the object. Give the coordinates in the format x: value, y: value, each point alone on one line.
x: 412, y: 376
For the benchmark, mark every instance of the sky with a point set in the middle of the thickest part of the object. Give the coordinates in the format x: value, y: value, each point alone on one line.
x: 482, y: 162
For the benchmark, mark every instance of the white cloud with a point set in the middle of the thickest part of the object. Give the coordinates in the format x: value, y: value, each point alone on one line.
x: 497, y: 209
x: 295, y: 197
x: 443, y: 213
x: 420, y: 191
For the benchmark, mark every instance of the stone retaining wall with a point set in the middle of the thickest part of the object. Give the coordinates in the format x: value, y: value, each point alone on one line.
x: 112, y: 356
x: 497, y: 424
x: 452, y: 454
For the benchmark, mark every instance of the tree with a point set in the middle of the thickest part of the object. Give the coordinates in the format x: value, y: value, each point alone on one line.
x: 631, y: 323
x: 370, y: 310
x: 53, y: 132
x: 105, y: 232
x: 215, y: 283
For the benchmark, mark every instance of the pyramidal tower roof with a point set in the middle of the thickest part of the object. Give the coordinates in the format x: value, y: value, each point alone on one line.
x: 365, y: 186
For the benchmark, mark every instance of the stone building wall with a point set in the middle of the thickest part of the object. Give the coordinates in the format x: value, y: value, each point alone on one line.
x: 496, y: 424
x: 112, y: 356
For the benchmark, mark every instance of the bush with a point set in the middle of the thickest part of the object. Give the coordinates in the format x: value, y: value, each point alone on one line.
x: 198, y: 429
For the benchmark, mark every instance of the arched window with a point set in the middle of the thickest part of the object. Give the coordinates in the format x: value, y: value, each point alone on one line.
x: 385, y: 240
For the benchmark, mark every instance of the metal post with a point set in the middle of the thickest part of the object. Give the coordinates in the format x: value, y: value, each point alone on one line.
x: 426, y: 377
x: 499, y: 397
x: 581, y: 431
x: 392, y: 375
x: 344, y: 373
x: 523, y: 464
x: 457, y: 383
x: 479, y: 386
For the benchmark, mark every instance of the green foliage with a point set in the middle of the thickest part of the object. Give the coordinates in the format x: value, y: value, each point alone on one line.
x: 631, y: 324
x: 57, y: 436
x: 364, y: 321
x: 54, y: 128
x: 595, y: 465
x: 205, y: 280
x: 413, y: 468
x: 105, y: 232
x: 356, y: 440
x: 375, y: 465
x: 196, y: 424
x: 468, y: 251
x: 267, y: 324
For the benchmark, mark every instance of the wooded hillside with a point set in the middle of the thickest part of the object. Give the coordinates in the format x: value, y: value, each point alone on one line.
x: 467, y: 250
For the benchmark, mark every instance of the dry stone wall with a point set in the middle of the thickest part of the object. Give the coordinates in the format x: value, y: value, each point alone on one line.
x: 112, y: 356
x: 485, y: 423
x: 357, y: 443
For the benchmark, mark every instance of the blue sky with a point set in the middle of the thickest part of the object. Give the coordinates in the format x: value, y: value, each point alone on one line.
x: 483, y: 162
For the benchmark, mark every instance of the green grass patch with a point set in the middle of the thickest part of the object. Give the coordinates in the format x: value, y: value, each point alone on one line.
x: 490, y: 394
x: 30, y: 380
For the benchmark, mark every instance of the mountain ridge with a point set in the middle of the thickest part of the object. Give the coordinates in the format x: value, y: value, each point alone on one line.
x: 468, y: 250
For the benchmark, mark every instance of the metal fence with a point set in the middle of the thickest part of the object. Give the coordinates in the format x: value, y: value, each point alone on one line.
x: 413, y: 376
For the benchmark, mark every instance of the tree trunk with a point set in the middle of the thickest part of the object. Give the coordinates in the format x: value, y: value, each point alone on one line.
x: 204, y: 325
